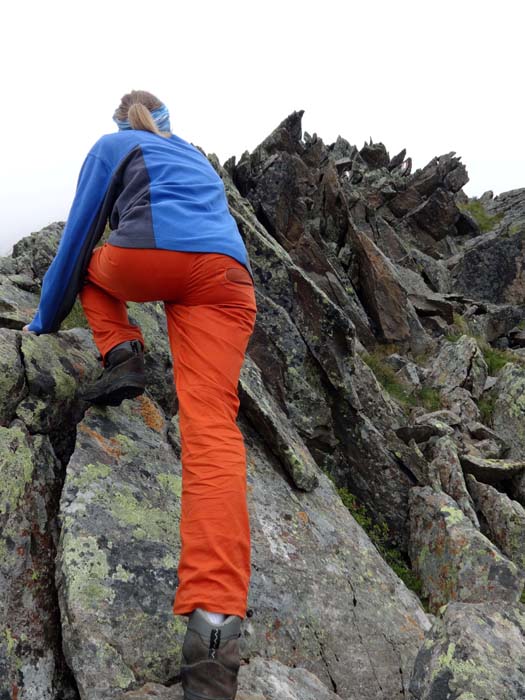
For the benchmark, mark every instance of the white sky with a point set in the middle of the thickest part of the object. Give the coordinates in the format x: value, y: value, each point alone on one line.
x: 429, y: 76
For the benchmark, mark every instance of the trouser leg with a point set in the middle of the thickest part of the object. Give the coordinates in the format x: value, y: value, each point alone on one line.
x: 105, y: 311
x: 208, y: 344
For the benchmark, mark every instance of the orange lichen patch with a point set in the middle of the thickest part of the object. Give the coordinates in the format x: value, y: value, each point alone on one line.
x: 111, y: 446
x: 411, y: 625
x: 303, y: 517
x: 151, y: 414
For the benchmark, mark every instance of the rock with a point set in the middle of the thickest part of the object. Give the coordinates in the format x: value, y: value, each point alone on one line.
x: 508, y: 417
x: 481, y: 432
x: 492, y: 269
x: 517, y: 337
x: 409, y: 375
x: 34, y: 253
x: 118, y: 555
x: 375, y: 155
x: 436, y: 216
x: 261, y: 679
x: 518, y: 488
x: 31, y: 663
x: 439, y: 171
x: 150, y: 691
x: 494, y: 322
x: 295, y: 533
x: 154, y: 690
x: 491, y: 471
x: 437, y: 417
x: 403, y: 202
x: 454, y: 560
x: 504, y: 519
x: 270, y: 680
x: 12, y: 376
x: 434, y: 272
x: 55, y: 365
x: 510, y: 205
x: 421, y: 432
x: 460, y: 402
x: 447, y: 466
x: 486, y: 449
x: 396, y: 161
x: 460, y: 364
x: 118, y: 552
x: 396, y: 361
x: 271, y: 422
x: 474, y: 651
x: 384, y: 297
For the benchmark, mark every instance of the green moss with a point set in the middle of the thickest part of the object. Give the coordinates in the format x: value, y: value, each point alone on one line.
x: 75, y: 319
x: 10, y: 641
x: 16, y: 468
x: 460, y: 328
x: 379, y: 534
x: 87, y: 571
x: 495, y: 358
x: 424, y: 396
x: 171, y: 482
x: 386, y: 376
x: 522, y: 597
x: 461, y: 670
x: 476, y: 209
x: 513, y: 229
x: 147, y: 522
x: 91, y: 473
x: 453, y: 515
x: 429, y: 398
x: 486, y: 407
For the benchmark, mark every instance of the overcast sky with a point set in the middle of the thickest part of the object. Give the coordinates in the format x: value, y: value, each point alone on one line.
x: 432, y: 77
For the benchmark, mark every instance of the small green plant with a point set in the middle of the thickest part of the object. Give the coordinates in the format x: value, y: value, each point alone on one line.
x: 522, y: 598
x: 379, y: 534
x: 514, y: 229
x: 496, y: 359
x: 429, y: 398
x: 477, y: 211
x: 75, y: 319
x: 398, y: 390
x: 386, y: 376
x: 486, y: 407
x: 459, y: 327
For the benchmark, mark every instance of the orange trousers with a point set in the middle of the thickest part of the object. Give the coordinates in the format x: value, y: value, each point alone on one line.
x: 210, y: 307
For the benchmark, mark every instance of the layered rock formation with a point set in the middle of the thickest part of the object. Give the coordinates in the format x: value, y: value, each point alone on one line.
x: 382, y: 406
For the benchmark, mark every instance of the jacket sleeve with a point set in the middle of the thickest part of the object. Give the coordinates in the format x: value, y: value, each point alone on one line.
x: 85, y: 225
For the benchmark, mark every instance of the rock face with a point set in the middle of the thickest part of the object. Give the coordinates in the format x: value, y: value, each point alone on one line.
x: 473, y: 651
x: 456, y: 562
x: 377, y: 433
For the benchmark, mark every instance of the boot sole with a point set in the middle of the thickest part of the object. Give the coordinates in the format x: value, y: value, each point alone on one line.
x: 129, y: 387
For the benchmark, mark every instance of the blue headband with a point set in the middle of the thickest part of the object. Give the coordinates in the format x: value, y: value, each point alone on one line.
x: 161, y: 117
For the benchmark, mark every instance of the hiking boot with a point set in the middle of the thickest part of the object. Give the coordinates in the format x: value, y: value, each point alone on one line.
x: 123, y: 376
x: 210, y: 658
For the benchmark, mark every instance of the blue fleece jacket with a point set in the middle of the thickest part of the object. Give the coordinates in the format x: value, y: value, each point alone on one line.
x: 156, y: 192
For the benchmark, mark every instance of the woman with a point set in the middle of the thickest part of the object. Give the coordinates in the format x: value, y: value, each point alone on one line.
x: 172, y: 239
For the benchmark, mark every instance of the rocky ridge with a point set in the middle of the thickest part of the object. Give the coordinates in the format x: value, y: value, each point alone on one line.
x: 382, y: 401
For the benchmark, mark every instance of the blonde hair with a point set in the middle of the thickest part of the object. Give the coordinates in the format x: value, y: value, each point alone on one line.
x: 136, y: 106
